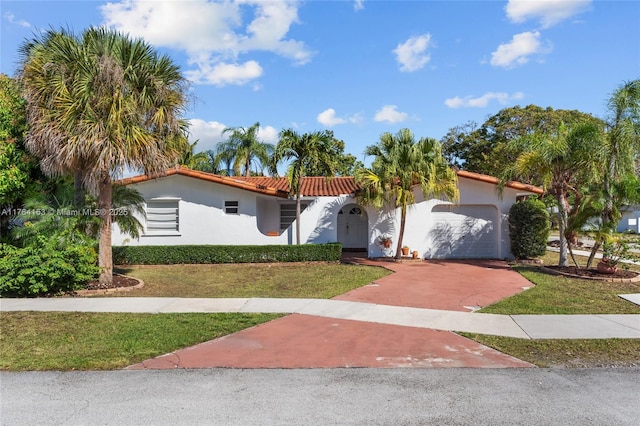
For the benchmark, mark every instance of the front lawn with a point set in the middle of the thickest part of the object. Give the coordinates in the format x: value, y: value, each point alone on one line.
x: 316, y: 280
x: 94, y: 341
x: 90, y: 341
x: 562, y: 295
x: 555, y: 294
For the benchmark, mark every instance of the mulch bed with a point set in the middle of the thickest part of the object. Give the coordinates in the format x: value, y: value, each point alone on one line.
x: 592, y: 273
x: 119, y: 281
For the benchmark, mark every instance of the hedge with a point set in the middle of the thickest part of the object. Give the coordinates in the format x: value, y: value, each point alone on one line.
x: 167, y: 255
x: 529, y: 227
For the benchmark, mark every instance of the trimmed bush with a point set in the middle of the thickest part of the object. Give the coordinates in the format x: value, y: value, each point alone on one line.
x: 44, y: 268
x: 166, y: 255
x: 529, y: 228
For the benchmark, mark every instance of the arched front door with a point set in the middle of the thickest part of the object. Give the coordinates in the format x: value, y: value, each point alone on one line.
x: 353, y: 227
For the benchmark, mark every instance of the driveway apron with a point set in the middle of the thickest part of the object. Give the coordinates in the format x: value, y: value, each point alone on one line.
x: 304, y: 341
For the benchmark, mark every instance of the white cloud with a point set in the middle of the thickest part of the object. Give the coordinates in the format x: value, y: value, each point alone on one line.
x: 328, y: 118
x: 358, y: 5
x: 518, y: 50
x: 212, y: 33
x: 390, y: 114
x: 356, y: 118
x: 222, y: 74
x: 268, y: 134
x: 412, y: 54
x: 482, y: 101
x: 207, y: 133
x: 548, y: 12
x: 11, y: 18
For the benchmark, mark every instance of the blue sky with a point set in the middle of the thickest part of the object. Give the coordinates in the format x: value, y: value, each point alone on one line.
x: 361, y: 68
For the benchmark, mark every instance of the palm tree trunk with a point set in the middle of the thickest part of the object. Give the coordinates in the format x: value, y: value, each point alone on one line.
x: 592, y: 255
x: 563, y: 218
x: 105, y: 261
x: 298, y: 217
x: 403, y: 220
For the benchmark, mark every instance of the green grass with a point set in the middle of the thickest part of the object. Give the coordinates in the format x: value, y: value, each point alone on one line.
x: 554, y: 294
x: 81, y: 341
x: 89, y: 341
x: 566, y: 353
x: 285, y: 280
x: 64, y: 341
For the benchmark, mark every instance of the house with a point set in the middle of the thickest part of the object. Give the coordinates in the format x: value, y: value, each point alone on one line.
x: 185, y: 206
x: 630, y: 221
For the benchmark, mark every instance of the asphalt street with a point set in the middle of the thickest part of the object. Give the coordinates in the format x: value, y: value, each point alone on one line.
x: 323, y: 397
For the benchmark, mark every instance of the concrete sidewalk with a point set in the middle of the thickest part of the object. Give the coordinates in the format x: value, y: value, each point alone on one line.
x: 520, y: 326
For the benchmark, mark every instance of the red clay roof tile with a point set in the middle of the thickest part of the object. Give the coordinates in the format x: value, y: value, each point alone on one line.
x: 313, y: 186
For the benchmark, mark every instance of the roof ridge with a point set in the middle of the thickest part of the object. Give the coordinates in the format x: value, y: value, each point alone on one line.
x: 249, y: 182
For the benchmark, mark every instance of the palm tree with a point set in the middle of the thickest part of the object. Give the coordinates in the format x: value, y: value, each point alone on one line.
x: 565, y: 160
x: 97, y: 104
x: 196, y: 160
x: 245, y: 148
x: 622, y: 145
x: 402, y: 163
x: 310, y: 151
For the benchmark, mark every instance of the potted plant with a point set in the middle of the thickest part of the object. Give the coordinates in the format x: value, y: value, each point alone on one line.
x: 405, y: 250
x: 613, y: 250
x: 414, y: 254
x: 385, y: 241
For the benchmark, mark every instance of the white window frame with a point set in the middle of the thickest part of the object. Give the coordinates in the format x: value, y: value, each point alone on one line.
x: 163, y: 216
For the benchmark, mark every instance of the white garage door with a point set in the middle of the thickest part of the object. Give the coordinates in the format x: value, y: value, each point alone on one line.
x: 464, y: 232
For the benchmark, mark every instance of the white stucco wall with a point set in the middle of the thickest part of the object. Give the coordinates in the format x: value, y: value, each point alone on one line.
x: 202, y: 219
x: 420, y: 221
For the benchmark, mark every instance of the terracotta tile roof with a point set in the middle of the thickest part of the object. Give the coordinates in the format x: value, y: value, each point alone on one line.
x: 210, y: 177
x: 311, y: 186
x: 496, y: 181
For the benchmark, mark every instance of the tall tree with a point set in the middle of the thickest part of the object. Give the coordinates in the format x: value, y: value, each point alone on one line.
x: 310, y: 151
x: 97, y: 104
x: 245, y: 148
x: 345, y: 164
x: 196, y: 160
x: 488, y: 149
x: 565, y: 160
x: 19, y: 173
x: 401, y: 163
x: 622, y: 142
x: 621, y: 156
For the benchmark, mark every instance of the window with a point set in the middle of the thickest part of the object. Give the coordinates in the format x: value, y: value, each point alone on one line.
x: 162, y: 216
x: 288, y: 214
x: 231, y: 207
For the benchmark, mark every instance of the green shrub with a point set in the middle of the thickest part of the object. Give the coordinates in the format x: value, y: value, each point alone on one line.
x: 163, y: 255
x: 529, y: 227
x: 45, y: 268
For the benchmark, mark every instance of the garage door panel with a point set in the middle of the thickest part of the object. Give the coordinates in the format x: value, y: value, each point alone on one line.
x: 464, y: 232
